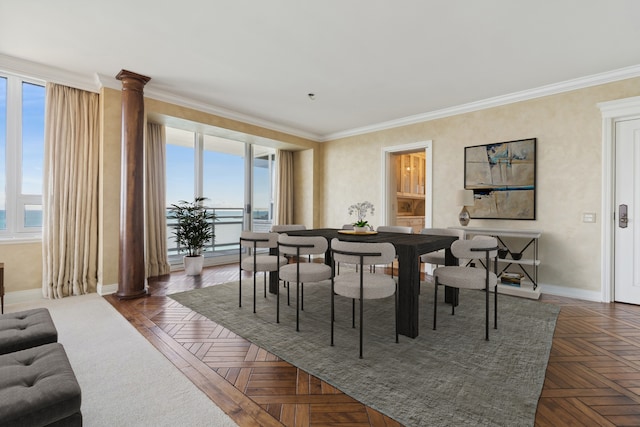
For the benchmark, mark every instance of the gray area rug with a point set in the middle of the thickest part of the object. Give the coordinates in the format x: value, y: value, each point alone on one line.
x: 447, y: 377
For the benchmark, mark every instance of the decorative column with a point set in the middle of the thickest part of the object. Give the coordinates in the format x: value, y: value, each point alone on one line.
x: 132, y: 280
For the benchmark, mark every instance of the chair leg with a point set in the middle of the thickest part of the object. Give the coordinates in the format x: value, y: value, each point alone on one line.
x: 332, y: 311
x: 435, y: 303
x: 486, y: 314
x: 361, y: 321
x: 495, y: 307
x: 396, y: 310
x: 297, y: 306
x: 254, y: 291
x: 288, y: 288
x: 278, y: 304
x: 353, y: 313
x: 264, y: 276
x: 240, y: 289
x: 302, y: 296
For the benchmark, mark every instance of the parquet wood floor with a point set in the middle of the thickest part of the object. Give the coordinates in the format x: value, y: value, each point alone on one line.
x: 592, y: 379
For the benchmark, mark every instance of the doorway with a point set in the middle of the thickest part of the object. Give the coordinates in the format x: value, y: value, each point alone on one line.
x: 621, y: 184
x: 627, y: 233
x: 407, y: 186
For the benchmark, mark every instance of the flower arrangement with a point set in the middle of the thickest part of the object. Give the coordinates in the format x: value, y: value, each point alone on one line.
x: 361, y: 209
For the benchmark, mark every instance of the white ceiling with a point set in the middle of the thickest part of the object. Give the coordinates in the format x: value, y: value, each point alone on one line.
x: 369, y: 62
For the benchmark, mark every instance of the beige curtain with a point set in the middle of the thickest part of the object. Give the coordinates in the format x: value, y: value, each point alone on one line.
x: 155, y: 214
x: 284, y: 188
x: 70, y: 193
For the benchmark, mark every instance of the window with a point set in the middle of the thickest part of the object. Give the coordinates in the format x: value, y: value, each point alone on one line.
x: 22, y: 109
x: 233, y: 175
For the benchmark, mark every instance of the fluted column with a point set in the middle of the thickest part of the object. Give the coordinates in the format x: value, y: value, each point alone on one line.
x: 131, y: 283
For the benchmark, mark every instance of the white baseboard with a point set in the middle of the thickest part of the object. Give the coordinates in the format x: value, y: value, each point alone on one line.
x: 563, y: 291
x: 29, y: 295
x: 103, y: 290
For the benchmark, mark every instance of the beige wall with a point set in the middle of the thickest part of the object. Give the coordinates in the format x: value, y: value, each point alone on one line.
x: 568, y: 129
x: 22, y: 266
x: 333, y: 175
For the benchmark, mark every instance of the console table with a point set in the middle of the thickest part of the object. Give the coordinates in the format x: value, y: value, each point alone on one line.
x: 526, y: 242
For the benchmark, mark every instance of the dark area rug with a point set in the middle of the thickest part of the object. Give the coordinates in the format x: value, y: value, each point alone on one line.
x: 447, y: 377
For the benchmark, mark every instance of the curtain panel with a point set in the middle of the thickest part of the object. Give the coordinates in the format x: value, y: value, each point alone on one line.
x: 70, y: 192
x: 155, y: 212
x: 284, y: 187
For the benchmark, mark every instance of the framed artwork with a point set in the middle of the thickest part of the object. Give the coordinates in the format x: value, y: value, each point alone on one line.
x: 503, y: 179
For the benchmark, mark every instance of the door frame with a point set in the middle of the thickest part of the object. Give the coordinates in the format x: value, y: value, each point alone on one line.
x: 612, y: 112
x: 428, y: 176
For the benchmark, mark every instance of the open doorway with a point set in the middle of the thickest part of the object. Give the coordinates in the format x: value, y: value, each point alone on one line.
x: 407, y: 197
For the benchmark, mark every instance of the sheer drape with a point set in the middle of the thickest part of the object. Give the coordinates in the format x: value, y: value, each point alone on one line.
x: 155, y: 213
x: 70, y: 192
x: 284, y: 187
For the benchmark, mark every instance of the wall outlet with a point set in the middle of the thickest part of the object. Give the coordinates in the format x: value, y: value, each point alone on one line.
x: 589, y: 217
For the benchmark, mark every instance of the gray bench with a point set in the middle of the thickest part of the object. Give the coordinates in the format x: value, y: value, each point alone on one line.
x: 38, y: 388
x: 26, y: 329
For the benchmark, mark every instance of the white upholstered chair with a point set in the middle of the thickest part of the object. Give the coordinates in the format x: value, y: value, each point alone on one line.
x: 463, y: 277
x: 362, y: 285
x: 395, y: 229
x: 283, y: 228
x: 255, y: 261
x: 438, y: 258
x: 301, y: 273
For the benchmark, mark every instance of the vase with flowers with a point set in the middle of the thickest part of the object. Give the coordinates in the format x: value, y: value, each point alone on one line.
x: 361, y: 209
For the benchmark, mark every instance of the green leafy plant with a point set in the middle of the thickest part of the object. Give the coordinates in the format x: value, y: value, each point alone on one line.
x: 193, y: 228
x: 361, y: 209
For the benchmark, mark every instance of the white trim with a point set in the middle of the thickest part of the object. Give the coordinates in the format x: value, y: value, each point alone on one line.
x: 563, y: 291
x: 45, y: 73
x: 612, y: 112
x: 96, y: 81
x: 427, y: 146
x: 153, y: 92
x: 525, y: 95
x: 17, y: 297
x: 103, y: 290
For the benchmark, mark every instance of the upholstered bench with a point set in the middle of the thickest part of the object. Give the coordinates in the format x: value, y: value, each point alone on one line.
x: 38, y: 388
x: 26, y: 329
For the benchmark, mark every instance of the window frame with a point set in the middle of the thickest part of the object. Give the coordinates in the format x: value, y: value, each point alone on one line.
x: 15, y: 200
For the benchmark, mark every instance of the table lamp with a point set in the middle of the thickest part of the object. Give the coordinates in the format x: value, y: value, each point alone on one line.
x: 464, y: 199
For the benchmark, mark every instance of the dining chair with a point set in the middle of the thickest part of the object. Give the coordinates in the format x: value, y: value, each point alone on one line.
x: 301, y: 273
x: 437, y: 258
x: 253, y: 241
x: 468, y: 277
x: 393, y: 229
x: 361, y: 285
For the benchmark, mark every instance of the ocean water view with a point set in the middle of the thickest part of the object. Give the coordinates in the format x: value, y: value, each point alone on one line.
x: 32, y: 218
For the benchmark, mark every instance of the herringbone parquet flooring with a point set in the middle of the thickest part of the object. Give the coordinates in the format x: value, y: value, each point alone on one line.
x: 593, y: 376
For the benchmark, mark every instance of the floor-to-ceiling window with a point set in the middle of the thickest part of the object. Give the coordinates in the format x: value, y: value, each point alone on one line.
x: 236, y: 178
x: 22, y: 109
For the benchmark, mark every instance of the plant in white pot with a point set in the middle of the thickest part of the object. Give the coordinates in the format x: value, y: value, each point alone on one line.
x: 192, y: 230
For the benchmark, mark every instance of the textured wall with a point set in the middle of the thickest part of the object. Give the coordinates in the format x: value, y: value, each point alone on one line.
x: 569, y: 132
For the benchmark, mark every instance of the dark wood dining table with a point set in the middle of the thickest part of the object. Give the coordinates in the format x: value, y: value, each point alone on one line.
x: 408, y: 247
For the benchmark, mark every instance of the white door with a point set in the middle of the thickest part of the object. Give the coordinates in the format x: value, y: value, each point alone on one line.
x: 627, y: 200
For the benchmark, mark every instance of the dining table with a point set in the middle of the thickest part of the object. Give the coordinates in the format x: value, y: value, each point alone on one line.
x: 408, y: 247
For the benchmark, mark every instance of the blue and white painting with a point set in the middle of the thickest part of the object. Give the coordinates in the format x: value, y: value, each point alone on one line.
x: 503, y: 179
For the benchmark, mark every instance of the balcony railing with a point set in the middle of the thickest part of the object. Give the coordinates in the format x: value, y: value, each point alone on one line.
x: 226, y: 229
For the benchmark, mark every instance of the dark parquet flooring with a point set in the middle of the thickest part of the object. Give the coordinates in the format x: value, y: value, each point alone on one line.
x: 593, y: 376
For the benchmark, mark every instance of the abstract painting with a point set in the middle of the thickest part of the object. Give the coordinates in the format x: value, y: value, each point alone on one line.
x: 503, y: 179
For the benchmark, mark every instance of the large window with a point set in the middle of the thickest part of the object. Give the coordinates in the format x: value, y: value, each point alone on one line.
x: 22, y: 109
x: 236, y: 178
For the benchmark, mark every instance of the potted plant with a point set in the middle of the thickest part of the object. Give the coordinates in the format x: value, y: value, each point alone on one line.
x: 193, y: 229
x: 361, y: 209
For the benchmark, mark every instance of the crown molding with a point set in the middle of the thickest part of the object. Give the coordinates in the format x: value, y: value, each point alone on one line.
x: 46, y: 73
x: 552, y: 89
